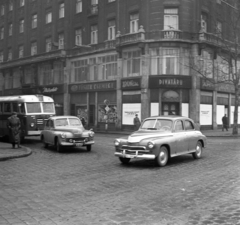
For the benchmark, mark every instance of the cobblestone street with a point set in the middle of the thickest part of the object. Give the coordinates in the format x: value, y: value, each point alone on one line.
x: 77, y: 187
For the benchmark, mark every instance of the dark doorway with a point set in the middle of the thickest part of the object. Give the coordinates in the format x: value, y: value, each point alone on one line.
x: 91, y: 115
x: 170, y: 108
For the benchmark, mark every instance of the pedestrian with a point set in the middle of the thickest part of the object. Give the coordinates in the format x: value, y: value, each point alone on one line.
x: 14, y: 126
x: 136, y: 122
x: 225, y: 122
x: 83, y: 121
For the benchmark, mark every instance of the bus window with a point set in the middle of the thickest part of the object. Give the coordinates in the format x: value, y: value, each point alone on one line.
x: 33, y: 107
x: 48, y: 107
x: 15, y: 107
x: 21, y: 108
x: 7, y: 107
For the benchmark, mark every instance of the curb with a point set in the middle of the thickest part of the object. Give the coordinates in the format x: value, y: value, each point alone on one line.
x: 19, y: 155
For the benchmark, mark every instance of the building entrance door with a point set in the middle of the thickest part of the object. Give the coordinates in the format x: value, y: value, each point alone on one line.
x: 170, y: 108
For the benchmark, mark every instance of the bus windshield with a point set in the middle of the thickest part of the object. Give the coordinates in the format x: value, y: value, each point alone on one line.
x: 48, y: 107
x: 33, y: 107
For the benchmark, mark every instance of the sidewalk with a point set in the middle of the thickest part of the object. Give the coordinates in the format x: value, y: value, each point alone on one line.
x: 6, y: 151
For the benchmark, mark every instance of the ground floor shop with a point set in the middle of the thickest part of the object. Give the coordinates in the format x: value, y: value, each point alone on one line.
x: 112, y: 105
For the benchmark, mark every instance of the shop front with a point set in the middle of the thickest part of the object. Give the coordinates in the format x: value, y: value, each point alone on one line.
x: 131, y: 101
x: 169, y: 95
x: 54, y: 91
x: 96, y: 102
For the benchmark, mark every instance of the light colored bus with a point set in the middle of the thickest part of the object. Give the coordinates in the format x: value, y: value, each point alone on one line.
x: 32, y: 110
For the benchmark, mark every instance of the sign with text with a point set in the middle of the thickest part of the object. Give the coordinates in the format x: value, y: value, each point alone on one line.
x: 220, y: 87
x: 47, y: 90
x: 170, y: 81
x: 134, y: 83
x: 96, y: 86
x: 129, y: 111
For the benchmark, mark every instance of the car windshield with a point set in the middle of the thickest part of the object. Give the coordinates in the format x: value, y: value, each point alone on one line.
x: 61, y: 122
x: 74, y: 122
x: 157, y: 124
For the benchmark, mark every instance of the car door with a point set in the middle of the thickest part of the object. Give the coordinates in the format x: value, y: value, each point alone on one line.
x: 191, y: 135
x: 181, y: 143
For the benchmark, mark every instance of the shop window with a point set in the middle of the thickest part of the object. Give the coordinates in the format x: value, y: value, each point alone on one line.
x: 16, y: 79
x: 170, y: 61
x: 58, y: 73
x: 131, y: 63
x: 28, y: 75
x: 107, y: 67
x: 107, y: 113
x: 81, y: 70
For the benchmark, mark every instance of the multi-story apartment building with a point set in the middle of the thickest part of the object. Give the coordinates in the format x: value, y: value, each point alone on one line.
x: 107, y: 60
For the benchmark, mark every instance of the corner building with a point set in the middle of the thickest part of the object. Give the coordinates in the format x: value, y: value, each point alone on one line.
x: 108, y: 60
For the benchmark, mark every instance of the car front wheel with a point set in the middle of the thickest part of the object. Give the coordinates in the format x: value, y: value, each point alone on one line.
x: 44, y: 143
x: 124, y: 160
x: 198, y: 152
x: 162, y: 158
x: 58, y: 146
x: 89, y: 148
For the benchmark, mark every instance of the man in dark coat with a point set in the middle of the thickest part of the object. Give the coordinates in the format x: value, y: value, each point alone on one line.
x: 225, y: 123
x: 14, y: 126
x: 136, y: 122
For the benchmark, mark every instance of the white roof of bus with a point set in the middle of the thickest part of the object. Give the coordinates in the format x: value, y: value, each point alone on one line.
x: 25, y: 98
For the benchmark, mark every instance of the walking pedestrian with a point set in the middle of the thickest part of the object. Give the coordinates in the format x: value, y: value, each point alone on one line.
x: 136, y: 122
x: 225, y: 122
x: 14, y: 126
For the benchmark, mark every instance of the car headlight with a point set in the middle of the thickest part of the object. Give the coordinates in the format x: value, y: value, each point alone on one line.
x: 151, y: 144
x: 63, y: 135
x: 117, y: 142
x: 91, y: 134
x: 32, y: 125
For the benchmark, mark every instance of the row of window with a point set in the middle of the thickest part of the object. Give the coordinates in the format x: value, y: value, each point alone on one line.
x: 10, y: 6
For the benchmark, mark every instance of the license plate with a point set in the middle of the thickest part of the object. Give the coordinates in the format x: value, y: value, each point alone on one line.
x: 78, y: 144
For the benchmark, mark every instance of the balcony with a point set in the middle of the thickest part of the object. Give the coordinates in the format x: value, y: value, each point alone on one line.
x: 130, y: 38
x: 93, y: 10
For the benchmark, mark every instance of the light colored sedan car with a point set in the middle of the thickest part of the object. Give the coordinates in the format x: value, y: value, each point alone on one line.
x: 160, y: 138
x: 66, y: 131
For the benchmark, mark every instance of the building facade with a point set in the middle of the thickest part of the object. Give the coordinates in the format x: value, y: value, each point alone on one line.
x: 111, y: 59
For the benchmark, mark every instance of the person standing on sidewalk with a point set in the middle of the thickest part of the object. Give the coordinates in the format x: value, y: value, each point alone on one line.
x: 14, y: 126
x: 225, y: 122
x: 136, y: 122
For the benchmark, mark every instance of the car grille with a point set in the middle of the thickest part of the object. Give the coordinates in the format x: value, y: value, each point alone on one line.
x: 133, y: 148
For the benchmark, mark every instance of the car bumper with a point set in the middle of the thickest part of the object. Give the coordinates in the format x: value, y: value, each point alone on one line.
x: 79, y: 144
x: 136, y: 155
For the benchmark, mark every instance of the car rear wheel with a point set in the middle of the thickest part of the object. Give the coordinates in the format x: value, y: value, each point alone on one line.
x: 44, y: 143
x: 162, y: 158
x: 198, y: 153
x: 124, y: 160
x: 89, y: 148
x: 58, y: 146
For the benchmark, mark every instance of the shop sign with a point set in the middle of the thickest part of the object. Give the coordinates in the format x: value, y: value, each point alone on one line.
x: 12, y: 92
x: 207, y: 84
x: 53, y: 89
x: 171, y: 81
x: 229, y: 88
x: 134, y: 83
x: 96, y: 86
x: 220, y: 87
